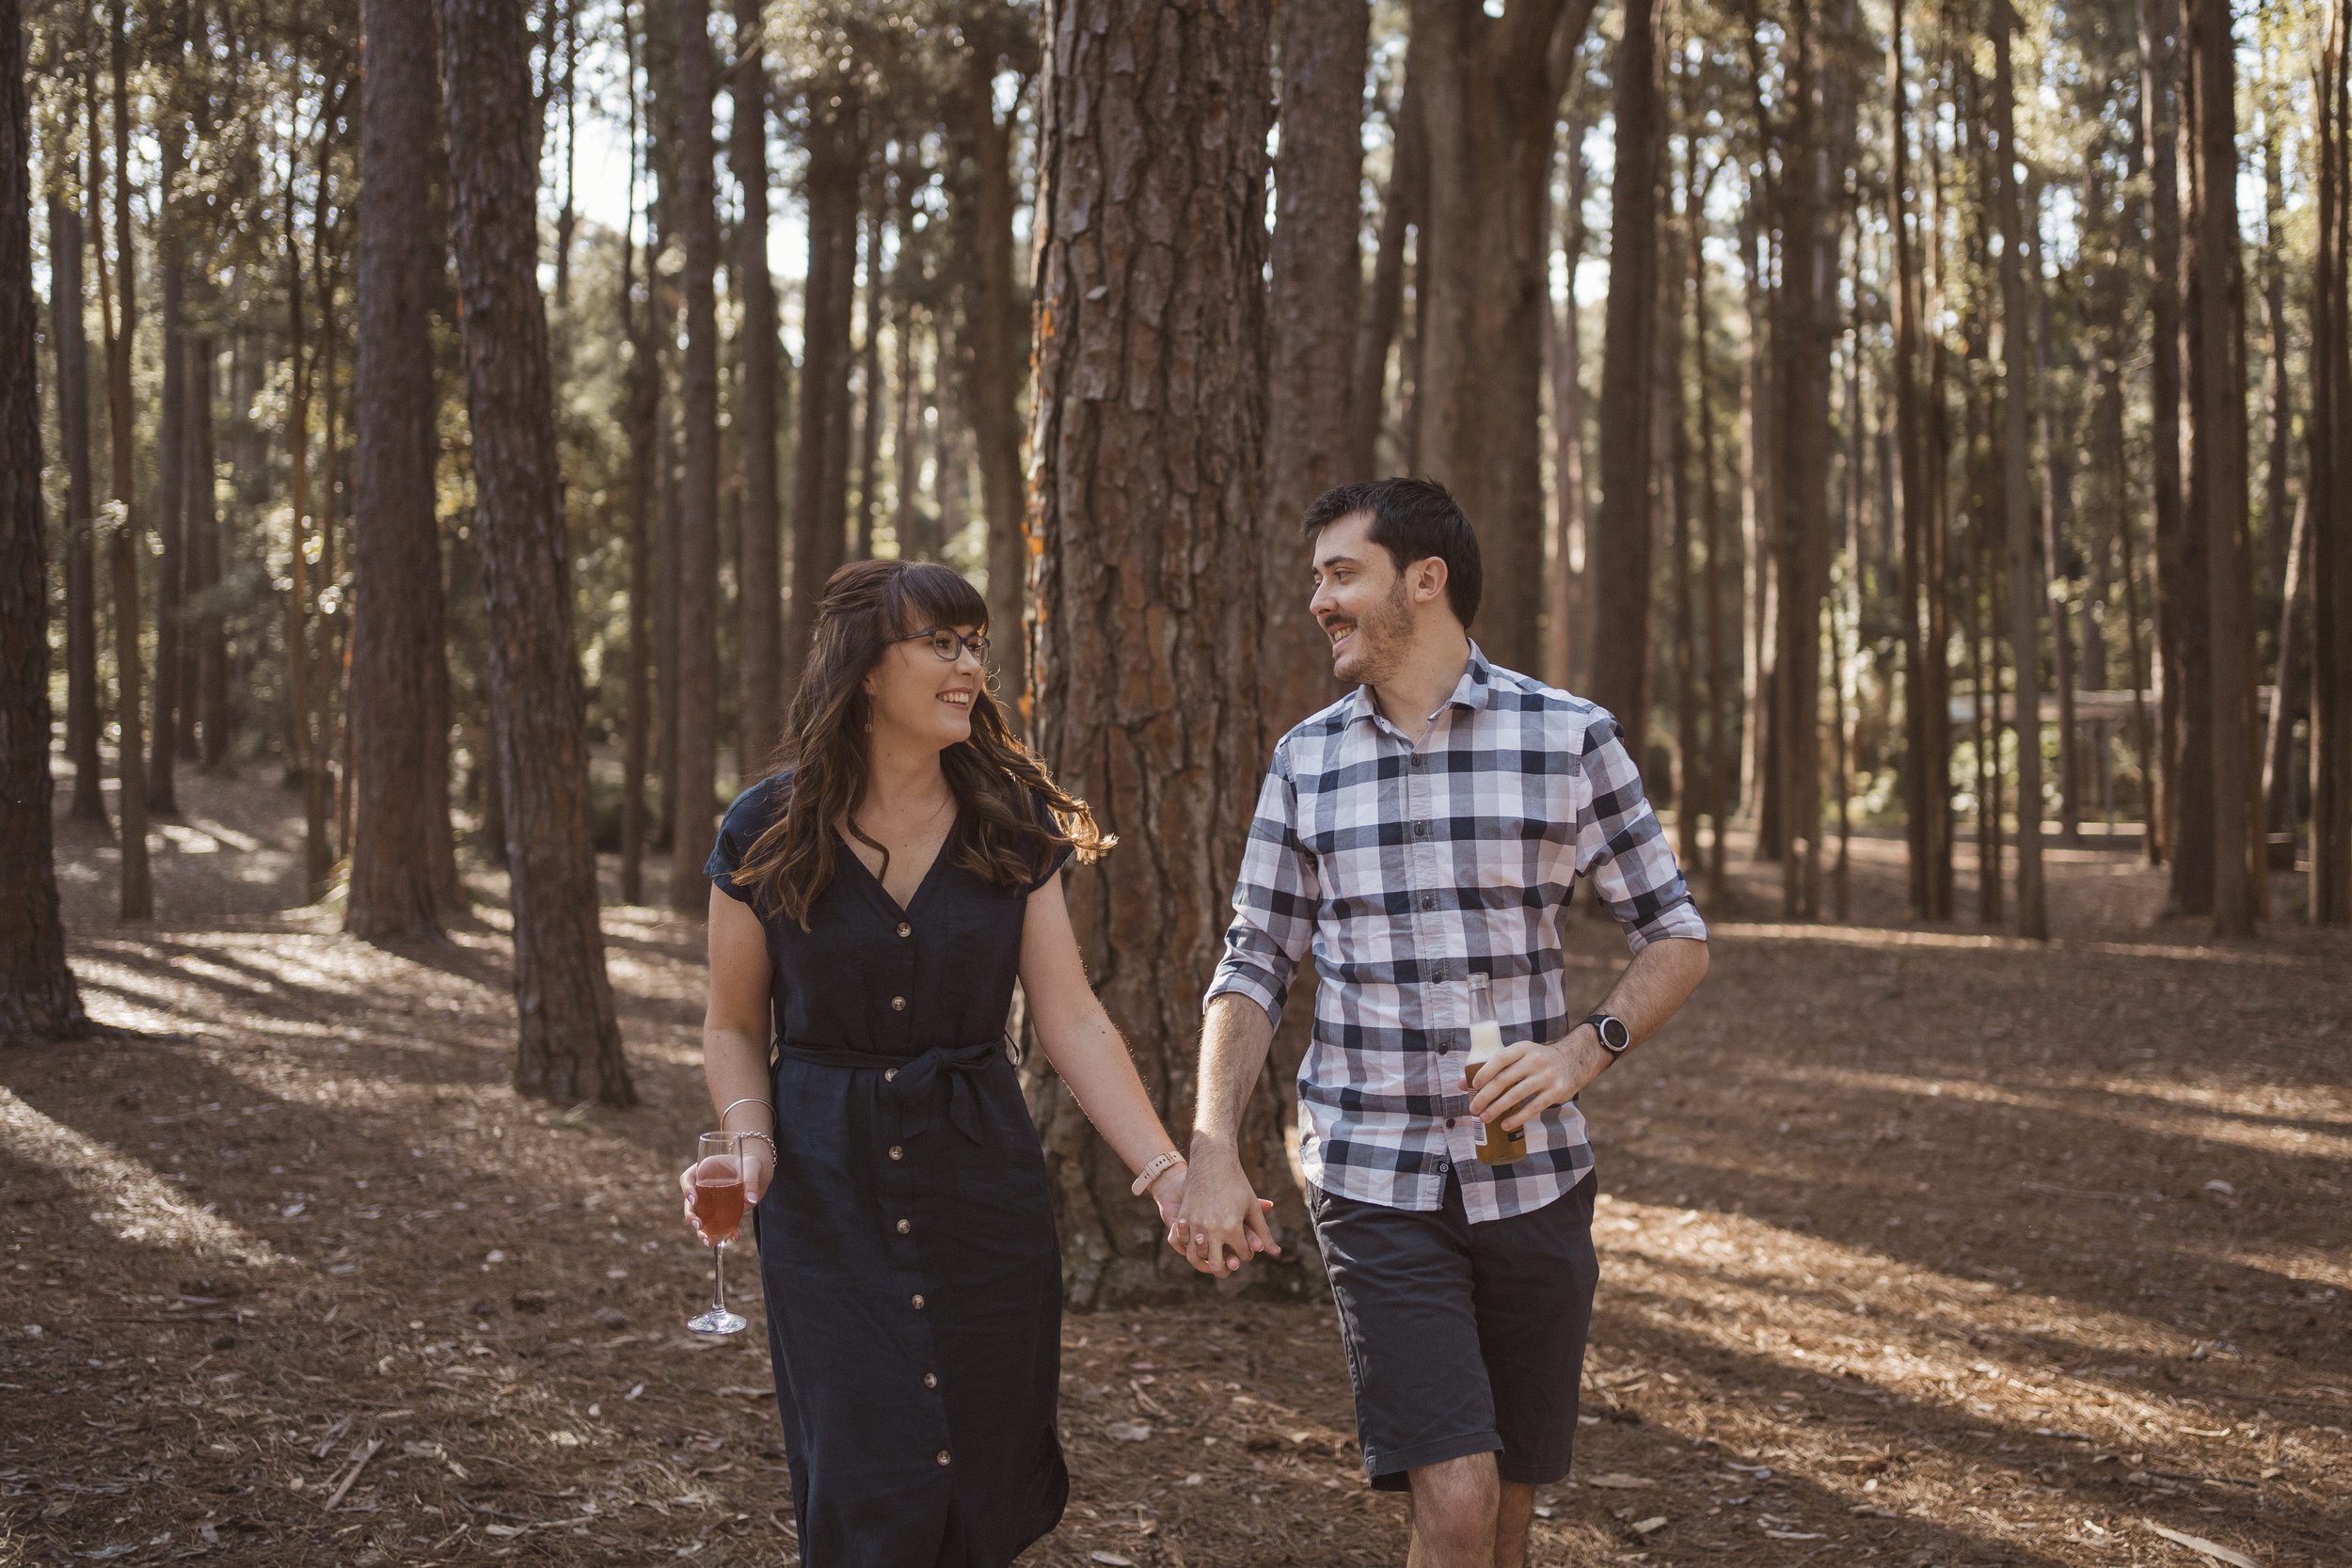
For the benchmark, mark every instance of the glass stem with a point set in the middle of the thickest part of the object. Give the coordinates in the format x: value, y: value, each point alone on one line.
x: 719, y: 1278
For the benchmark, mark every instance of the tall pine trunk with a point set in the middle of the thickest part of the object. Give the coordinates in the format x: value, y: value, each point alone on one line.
x: 819, y: 489
x: 1147, y: 444
x: 1316, y: 283
x: 66, y: 307
x: 697, y: 558
x: 399, y: 807
x: 2328, y: 479
x: 1619, y: 559
x: 570, y: 1046
x: 125, y: 541
x: 2214, y: 315
x: 1403, y: 206
x: 38, y: 1000
x: 994, y: 353
x: 759, y: 622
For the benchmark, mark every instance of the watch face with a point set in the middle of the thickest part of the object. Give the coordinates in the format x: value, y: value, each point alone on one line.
x: 1615, y: 1037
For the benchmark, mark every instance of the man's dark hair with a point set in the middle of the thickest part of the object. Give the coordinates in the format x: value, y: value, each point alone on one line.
x: 1412, y: 519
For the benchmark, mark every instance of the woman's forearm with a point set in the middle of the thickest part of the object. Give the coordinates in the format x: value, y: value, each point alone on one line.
x: 735, y: 1067
x: 1093, y: 1061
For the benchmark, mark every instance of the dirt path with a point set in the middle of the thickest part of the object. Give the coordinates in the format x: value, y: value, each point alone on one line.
x: 1919, y: 1247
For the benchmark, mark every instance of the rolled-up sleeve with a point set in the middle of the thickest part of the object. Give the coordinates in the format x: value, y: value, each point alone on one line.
x: 1274, y: 900
x: 1621, y: 847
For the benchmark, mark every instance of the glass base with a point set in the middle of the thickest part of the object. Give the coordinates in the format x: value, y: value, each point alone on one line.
x: 718, y: 1320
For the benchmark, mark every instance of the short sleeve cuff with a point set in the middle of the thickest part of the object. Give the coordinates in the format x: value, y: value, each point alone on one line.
x: 721, y: 875
x: 1232, y: 981
x: 1678, y: 921
x: 1060, y: 858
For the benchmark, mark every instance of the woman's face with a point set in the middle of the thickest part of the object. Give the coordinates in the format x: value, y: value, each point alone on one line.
x: 919, y: 697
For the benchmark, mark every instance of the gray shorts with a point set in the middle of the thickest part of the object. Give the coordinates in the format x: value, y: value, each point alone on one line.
x: 1462, y: 1338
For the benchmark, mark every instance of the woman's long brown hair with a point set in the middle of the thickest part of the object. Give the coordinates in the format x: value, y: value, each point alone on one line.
x: 998, y: 781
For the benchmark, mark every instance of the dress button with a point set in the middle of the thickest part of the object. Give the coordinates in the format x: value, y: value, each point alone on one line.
x: 931, y: 1380
x: 942, y: 1456
x: 898, y: 1003
x: 898, y: 1151
x: 918, y: 1304
x: 905, y: 929
x: 904, y: 1227
x: 890, y: 1075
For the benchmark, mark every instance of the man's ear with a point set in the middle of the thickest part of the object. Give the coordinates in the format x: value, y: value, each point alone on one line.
x: 1429, y: 579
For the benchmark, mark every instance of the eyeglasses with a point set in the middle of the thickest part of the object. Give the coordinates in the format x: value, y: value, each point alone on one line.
x: 950, y: 645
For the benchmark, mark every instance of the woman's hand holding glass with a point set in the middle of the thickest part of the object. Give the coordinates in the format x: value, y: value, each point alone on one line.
x: 759, y: 1167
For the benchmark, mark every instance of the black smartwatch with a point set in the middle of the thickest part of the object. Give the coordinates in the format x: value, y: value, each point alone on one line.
x: 1615, y: 1038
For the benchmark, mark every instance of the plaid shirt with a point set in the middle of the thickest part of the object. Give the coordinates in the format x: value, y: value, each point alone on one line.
x: 1408, y: 868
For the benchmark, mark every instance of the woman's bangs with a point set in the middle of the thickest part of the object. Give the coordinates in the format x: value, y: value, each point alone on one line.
x: 931, y: 595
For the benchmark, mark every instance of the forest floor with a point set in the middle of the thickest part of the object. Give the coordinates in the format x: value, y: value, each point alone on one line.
x: 1920, y: 1247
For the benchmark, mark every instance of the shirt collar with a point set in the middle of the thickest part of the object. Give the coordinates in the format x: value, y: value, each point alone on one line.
x: 1472, y: 692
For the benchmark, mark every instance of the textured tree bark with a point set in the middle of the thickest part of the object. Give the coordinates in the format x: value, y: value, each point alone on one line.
x: 399, y: 804
x: 819, y: 475
x: 697, y: 645
x: 1150, y: 408
x: 2184, y: 681
x: 2327, y: 479
x: 571, y: 1046
x: 1620, y: 561
x: 1567, y: 587
x: 38, y: 1000
x: 1317, y: 282
x: 1491, y: 100
x: 759, y: 622
x: 124, y: 542
x: 66, y: 298
x: 2216, y: 318
x: 2026, y: 582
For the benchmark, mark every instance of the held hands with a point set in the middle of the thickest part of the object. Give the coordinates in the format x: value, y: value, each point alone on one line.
x: 1532, y: 1077
x: 758, y: 1167
x: 1217, y: 1222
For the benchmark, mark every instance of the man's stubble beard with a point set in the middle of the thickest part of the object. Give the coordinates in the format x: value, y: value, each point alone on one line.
x: 1381, y: 641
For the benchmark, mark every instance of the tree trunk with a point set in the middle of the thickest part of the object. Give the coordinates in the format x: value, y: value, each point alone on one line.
x: 759, y: 624
x: 2216, y: 318
x: 1402, y: 209
x: 995, y: 354
x: 170, y: 474
x: 1620, y: 561
x: 1313, y: 325
x: 643, y: 392
x: 2327, y: 479
x: 2290, y: 675
x: 399, y: 807
x: 1151, y: 409
x: 206, y: 694
x: 38, y: 1000
x: 1490, y: 101
x: 2057, y: 520
x: 869, y: 359
x: 570, y: 1045
x: 2185, y: 686
x: 1567, y: 630
x: 125, y: 542
x: 697, y: 647
x: 820, y: 500
x: 66, y: 298
x: 2024, y: 574
x: 1722, y: 618
x: 306, y: 757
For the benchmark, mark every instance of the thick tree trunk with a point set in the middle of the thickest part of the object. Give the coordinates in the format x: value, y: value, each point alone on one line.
x: 2215, y: 319
x: 399, y: 807
x: 2327, y: 479
x: 759, y: 622
x: 2024, y: 574
x: 1490, y: 101
x: 570, y: 1045
x: 1151, y: 409
x: 697, y: 645
x: 124, y: 541
x: 819, y: 491
x: 1317, y: 282
x: 2184, y: 681
x: 1402, y: 209
x: 38, y: 1000
x: 1619, y: 559
x: 66, y: 304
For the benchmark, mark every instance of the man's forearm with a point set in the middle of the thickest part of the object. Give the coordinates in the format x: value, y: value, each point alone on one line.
x: 1654, y: 984
x: 1235, y: 1037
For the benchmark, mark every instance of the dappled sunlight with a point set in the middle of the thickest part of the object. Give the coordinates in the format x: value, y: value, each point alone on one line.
x: 132, y: 1202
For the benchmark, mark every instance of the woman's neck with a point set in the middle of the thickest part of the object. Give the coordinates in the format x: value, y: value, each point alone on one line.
x: 902, y: 777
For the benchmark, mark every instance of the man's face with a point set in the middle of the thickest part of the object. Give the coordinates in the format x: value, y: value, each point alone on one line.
x: 1361, y: 602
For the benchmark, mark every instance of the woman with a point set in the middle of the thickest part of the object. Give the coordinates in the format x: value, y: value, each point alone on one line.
x: 871, y: 905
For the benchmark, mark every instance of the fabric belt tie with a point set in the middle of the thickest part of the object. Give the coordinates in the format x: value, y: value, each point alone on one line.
x: 954, y: 1067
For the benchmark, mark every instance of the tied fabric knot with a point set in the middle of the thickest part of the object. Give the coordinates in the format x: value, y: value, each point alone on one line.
x: 957, y: 1069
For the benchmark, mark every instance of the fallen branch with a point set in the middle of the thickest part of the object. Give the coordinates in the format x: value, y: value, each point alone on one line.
x: 358, y: 1465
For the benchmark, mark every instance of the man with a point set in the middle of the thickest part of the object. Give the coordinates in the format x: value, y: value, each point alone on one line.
x: 1429, y: 827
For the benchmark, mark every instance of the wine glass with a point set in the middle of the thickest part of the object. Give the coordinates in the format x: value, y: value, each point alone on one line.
x: 719, y: 1210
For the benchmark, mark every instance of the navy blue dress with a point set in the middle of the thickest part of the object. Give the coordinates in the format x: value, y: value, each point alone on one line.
x: 906, y: 1243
